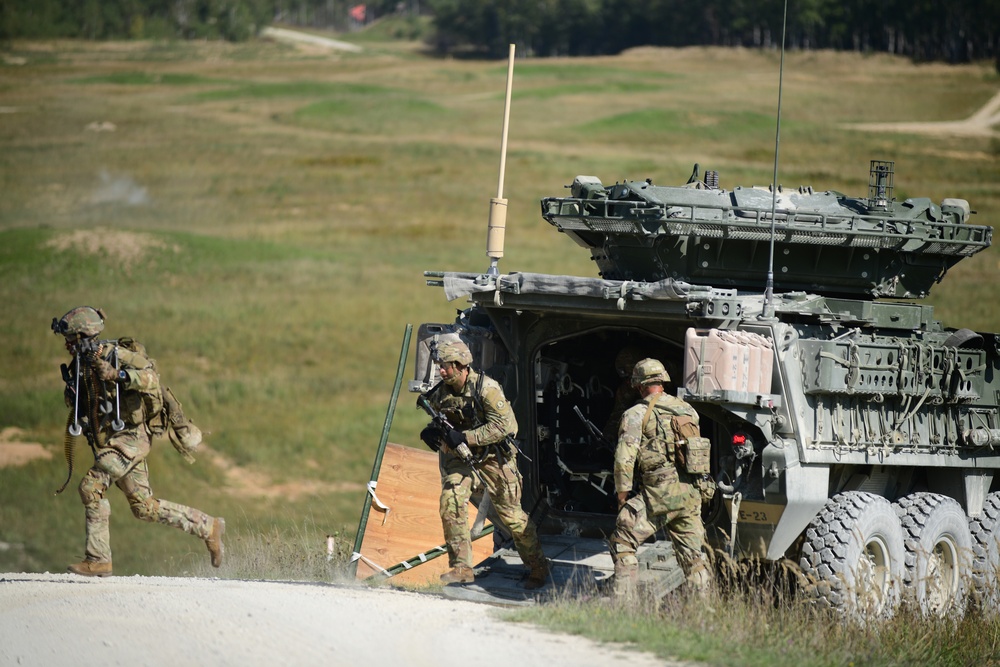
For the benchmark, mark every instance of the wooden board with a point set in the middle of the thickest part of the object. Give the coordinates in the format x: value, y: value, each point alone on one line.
x: 409, y: 483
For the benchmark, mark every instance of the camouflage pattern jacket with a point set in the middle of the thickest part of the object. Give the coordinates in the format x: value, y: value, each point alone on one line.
x: 480, y: 410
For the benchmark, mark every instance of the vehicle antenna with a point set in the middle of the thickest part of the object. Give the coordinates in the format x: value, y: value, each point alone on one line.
x: 769, y: 288
x: 498, y: 205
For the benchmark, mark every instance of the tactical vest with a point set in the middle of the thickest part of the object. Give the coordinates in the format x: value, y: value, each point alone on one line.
x: 465, y: 412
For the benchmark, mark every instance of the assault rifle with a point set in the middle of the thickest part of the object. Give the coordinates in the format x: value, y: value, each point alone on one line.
x: 593, y: 430
x: 445, y: 426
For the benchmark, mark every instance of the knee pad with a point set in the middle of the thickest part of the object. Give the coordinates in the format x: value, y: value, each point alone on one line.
x: 147, y: 509
x: 91, y: 490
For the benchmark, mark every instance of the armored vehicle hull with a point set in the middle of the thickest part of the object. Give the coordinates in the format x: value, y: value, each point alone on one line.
x: 856, y: 438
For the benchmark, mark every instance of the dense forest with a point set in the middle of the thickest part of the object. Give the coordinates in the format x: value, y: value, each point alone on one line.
x: 953, y: 31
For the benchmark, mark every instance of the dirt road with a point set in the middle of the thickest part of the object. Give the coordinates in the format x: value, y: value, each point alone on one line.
x: 979, y: 124
x: 55, y: 620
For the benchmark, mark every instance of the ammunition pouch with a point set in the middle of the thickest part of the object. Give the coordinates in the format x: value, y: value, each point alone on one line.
x: 665, y: 475
x: 693, y: 452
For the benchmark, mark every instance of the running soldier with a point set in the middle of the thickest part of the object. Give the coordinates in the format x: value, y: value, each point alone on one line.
x: 114, y: 395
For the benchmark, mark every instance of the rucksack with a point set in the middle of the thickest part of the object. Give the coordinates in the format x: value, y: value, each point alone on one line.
x: 692, y: 452
x: 163, y: 412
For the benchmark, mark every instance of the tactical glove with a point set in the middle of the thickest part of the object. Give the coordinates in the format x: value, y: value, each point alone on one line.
x: 432, y: 437
x: 456, y: 438
x: 104, y: 370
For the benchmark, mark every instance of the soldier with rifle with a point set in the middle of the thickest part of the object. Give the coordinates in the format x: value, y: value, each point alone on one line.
x: 473, y: 430
x: 114, y: 397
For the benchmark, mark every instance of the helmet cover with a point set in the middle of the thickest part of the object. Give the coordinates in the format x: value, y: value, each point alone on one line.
x: 82, y: 320
x: 649, y: 371
x: 453, y: 351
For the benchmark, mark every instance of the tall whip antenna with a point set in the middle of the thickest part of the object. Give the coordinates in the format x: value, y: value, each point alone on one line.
x: 769, y: 288
x: 498, y: 205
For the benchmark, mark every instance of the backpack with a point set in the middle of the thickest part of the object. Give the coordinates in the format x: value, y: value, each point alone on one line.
x: 163, y: 412
x: 692, y: 452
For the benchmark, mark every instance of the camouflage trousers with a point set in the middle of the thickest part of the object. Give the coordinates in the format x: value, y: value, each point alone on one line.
x: 122, y: 462
x: 503, y: 483
x: 635, y: 524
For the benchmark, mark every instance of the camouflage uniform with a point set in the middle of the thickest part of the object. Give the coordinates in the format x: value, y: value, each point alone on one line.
x: 117, y: 381
x: 120, y: 459
x: 667, y: 498
x: 483, y: 414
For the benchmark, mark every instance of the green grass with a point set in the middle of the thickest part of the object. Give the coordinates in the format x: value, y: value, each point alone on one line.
x: 266, y: 212
x: 148, y: 79
x: 265, y: 91
x: 753, y: 619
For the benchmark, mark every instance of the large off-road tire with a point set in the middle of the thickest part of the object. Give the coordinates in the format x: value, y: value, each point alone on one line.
x: 938, y: 552
x: 852, y: 556
x: 985, y: 530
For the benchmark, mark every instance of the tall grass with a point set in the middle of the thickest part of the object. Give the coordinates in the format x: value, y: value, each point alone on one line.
x: 756, y: 621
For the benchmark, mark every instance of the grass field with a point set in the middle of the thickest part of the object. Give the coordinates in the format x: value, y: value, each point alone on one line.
x: 260, y: 215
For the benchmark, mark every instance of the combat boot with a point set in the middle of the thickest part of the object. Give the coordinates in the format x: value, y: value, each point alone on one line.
x: 699, y: 580
x: 538, y: 575
x: 91, y: 568
x: 214, y: 541
x: 460, y: 574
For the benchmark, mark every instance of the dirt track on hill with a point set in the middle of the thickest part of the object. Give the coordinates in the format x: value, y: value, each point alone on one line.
x: 55, y: 620
x: 979, y: 124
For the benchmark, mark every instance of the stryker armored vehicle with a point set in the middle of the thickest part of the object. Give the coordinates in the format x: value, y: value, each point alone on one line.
x: 852, y: 434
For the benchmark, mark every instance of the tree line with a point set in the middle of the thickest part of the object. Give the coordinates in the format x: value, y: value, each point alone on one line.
x: 953, y: 31
x: 233, y: 20
x: 924, y: 30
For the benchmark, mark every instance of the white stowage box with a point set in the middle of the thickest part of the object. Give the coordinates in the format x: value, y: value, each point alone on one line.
x: 727, y: 360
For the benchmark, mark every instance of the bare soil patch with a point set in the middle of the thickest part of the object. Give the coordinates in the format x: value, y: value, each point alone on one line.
x: 124, y: 248
x: 15, y: 452
x: 246, y: 483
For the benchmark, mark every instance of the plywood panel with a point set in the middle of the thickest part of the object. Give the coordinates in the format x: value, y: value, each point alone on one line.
x: 409, y: 483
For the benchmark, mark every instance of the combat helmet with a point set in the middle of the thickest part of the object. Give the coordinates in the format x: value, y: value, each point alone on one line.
x: 82, y: 321
x: 649, y: 371
x: 454, y: 351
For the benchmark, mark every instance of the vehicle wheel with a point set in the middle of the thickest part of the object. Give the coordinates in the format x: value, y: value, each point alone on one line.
x: 985, y: 530
x: 852, y: 557
x: 938, y: 552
